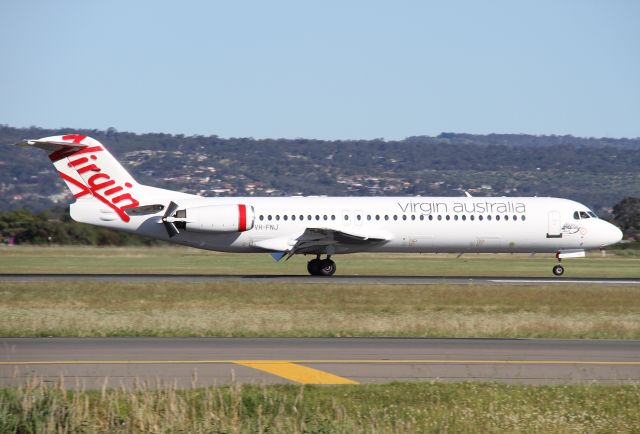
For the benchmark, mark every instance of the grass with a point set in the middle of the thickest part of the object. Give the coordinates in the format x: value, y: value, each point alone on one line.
x: 94, y: 308
x: 179, y: 260
x: 264, y: 308
x: 236, y: 308
x: 392, y: 408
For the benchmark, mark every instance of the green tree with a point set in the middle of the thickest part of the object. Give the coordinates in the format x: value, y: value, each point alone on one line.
x: 626, y: 213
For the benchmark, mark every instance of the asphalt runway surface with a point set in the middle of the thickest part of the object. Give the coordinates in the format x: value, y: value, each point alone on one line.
x: 385, y: 280
x: 115, y: 362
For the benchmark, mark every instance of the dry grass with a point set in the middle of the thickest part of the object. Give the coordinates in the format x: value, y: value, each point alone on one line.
x: 286, y: 309
x: 393, y: 408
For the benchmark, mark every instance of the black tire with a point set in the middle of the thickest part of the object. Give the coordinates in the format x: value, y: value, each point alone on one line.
x: 558, y: 270
x: 327, y: 267
x: 313, y: 267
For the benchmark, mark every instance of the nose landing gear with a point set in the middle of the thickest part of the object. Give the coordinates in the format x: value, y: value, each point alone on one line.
x: 558, y: 270
x: 321, y: 267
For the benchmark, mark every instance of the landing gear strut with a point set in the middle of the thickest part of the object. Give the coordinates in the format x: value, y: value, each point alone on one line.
x: 321, y: 267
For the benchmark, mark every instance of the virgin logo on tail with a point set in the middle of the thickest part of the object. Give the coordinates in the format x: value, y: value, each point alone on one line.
x: 100, y: 185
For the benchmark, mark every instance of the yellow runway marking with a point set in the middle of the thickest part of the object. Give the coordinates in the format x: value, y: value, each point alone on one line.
x: 297, y: 373
x: 338, y: 361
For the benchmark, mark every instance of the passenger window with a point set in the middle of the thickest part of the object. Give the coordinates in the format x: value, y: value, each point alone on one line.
x: 489, y: 217
x: 430, y: 217
x: 261, y: 217
x: 497, y: 218
x: 404, y: 217
x: 346, y: 217
x: 456, y: 217
x: 395, y: 217
x: 413, y: 217
x: 421, y: 216
x: 386, y: 217
x: 515, y: 217
x: 277, y: 216
x: 359, y: 217
x: 472, y: 217
x: 301, y: 217
x: 317, y: 217
x: 368, y: 216
x: 448, y: 217
x: 377, y: 216
x: 480, y: 217
x: 439, y: 217
x: 285, y: 217
x: 293, y: 217
x: 522, y: 218
x: 269, y: 217
x: 333, y: 217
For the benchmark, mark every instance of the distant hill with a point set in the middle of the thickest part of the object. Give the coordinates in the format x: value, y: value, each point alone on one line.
x: 596, y: 171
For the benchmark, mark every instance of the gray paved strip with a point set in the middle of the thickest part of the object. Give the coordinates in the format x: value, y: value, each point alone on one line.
x: 123, y: 361
x: 381, y: 280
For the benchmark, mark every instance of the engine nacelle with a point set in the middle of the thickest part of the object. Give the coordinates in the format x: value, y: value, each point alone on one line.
x: 216, y: 218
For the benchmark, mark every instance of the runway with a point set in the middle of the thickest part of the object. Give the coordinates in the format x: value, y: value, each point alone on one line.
x: 94, y: 362
x: 380, y: 280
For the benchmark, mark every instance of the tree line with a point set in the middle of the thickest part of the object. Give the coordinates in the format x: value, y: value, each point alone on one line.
x: 55, y: 227
x: 598, y: 172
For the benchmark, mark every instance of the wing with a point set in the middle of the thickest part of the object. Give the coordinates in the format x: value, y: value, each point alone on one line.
x: 319, y: 241
x: 330, y: 241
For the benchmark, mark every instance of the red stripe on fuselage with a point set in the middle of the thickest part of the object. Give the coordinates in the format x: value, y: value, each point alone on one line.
x: 242, y: 220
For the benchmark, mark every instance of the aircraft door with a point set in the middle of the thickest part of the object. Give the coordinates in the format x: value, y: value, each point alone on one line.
x: 554, y: 229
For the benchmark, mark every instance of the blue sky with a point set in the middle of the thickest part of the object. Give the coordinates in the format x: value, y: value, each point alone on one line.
x: 324, y: 69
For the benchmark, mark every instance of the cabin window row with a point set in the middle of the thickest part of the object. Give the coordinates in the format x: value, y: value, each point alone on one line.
x: 386, y: 217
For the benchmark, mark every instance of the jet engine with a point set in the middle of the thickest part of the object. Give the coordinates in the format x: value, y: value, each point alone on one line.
x: 211, y: 218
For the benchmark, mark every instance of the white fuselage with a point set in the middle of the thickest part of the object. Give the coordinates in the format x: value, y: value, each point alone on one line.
x: 107, y: 195
x: 408, y: 224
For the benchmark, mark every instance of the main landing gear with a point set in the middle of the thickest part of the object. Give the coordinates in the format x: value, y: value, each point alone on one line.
x: 321, y: 267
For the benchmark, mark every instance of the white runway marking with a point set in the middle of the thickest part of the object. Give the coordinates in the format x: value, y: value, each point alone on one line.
x: 554, y: 282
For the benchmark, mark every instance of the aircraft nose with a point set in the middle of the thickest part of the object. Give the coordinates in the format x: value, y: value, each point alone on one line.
x: 612, y: 235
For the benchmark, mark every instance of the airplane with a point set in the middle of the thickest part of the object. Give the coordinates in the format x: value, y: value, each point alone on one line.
x: 108, y: 196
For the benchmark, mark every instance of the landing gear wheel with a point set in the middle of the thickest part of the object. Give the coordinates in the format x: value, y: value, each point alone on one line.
x: 327, y: 267
x: 313, y: 267
x: 558, y: 270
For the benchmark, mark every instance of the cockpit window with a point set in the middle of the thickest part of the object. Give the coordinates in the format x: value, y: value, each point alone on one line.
x: 584, y: 215
x: 576, y: 215
x: 592, y: 214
